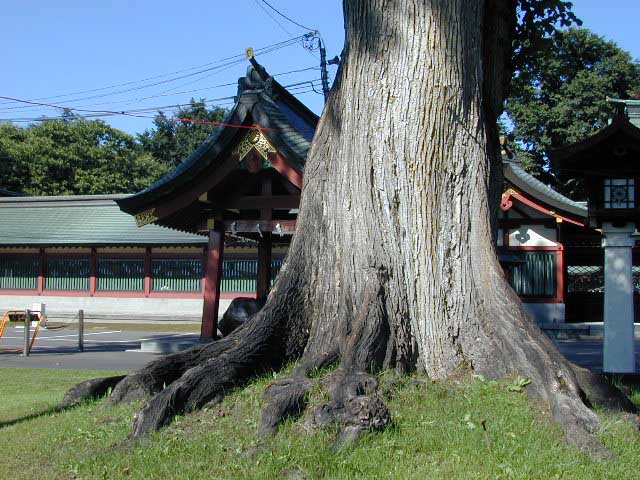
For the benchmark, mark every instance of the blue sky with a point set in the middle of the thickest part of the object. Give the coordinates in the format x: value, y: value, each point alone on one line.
x: 68, y: 46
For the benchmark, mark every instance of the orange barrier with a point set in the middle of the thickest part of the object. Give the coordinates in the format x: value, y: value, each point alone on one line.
x: 19, y: 316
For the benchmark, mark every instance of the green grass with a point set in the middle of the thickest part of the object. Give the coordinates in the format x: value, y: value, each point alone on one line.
x: 436, y: 433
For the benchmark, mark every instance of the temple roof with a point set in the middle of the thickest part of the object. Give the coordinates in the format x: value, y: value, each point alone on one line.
x: 261, y: 101
x: 528, y: 184
x: 80, y: 220
x: 620, y: 128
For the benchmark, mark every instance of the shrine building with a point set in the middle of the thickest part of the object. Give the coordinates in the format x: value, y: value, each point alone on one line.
x: 218, y: 226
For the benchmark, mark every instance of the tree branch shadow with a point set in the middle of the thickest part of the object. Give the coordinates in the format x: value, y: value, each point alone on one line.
x: 33, y: 416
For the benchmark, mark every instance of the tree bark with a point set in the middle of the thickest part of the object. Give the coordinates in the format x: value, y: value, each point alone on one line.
x: 393, y: 264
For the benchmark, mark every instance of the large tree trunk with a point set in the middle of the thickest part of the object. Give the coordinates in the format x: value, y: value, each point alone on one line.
x: 393, y: 264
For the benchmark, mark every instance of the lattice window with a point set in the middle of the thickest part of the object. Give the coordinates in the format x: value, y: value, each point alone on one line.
x: 619, y: 193
x: 585, y: 279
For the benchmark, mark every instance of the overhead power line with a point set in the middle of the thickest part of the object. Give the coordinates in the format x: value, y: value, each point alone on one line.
x: 285, y: 17
x: 149, y: 97
x: 232, y: 60
x: 296, y: 88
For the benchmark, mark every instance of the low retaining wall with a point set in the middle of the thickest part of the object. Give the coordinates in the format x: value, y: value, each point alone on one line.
x: 112, y: 309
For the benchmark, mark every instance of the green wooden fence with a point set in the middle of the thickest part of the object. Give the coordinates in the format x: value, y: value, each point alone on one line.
x: 176, y: 275
x: 67, y: 274
x: 19, y: 272
x: 240, y: 276
x: 120, y: 275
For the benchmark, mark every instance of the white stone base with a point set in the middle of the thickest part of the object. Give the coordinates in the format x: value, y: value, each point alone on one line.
x: 113, y: 309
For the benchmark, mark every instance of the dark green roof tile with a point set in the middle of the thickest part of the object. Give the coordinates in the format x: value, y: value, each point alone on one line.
x: 80, y: 220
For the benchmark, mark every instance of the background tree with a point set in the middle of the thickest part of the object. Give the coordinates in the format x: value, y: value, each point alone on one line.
x: 560, y: 96
x: 170, y: 141
x: 13, y: 169
x: 67, y: 157
x: 393, y: 264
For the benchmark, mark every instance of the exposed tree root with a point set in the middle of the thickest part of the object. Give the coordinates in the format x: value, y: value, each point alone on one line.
x: 355, y: 406
x: 89, y: 389
x: 598, y: 391
x: 512, y: 344
x: 283, y: 398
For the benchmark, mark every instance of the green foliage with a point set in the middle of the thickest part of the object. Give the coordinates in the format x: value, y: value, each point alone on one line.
x: 518, y: 384
x: 171, y: 142
x: 560, y: 95
x: 70, y: 156
x: 536, y: 22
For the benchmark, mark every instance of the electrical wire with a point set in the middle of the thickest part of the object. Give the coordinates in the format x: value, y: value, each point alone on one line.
x: 235, y: 59
x: 149, y: 97
x: 282, y: 27
x: 285, y: 17
x: 133, y: 112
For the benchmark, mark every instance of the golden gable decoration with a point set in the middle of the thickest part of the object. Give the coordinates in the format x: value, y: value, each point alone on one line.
x: 254, y: 139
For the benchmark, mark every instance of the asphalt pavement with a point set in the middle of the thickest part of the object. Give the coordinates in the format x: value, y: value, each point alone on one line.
x: 108, y: 349
x: 113, y: 349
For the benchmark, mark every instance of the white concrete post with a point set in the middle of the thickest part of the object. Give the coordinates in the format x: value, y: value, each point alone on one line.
x: 618, y: 243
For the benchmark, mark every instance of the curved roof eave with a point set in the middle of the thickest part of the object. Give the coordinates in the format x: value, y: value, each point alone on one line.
x: 527, y: 183
x: 195, y: 163
x: 619, y: 124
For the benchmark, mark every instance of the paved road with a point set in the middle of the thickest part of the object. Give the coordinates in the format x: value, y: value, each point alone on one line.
x: 588, y: 353
x: 103, y: 349
x: 120, y: 350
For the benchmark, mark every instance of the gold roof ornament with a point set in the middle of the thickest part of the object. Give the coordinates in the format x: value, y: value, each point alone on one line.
x: 254, y: 139
x: 146, y: 217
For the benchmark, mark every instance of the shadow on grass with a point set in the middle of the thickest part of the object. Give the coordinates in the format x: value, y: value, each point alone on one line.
x: 33, y: 416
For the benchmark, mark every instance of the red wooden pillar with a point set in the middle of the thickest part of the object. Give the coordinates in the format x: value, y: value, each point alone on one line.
x: 263, y: 283
x: 93, y: 264
x: 147, y: 271
x: 41, y: 265
x: 213, y: 277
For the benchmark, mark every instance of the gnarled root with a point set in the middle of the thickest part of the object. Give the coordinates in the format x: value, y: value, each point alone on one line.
x: 89, y: 389
x: 355, y: 406
x: 283, y: 398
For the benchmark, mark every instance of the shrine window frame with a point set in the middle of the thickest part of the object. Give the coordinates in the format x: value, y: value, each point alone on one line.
x: 625, y: 184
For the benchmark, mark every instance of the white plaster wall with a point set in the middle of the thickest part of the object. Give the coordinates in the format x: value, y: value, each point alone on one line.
x: 532, y: 236
x: 545, y: 312
x: 167, y: 309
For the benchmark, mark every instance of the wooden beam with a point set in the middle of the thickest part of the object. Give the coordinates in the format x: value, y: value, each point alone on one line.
x: 213, y: 277
x: 285, y: 227
x: 266, y: 191
x: 209, y: 180
x: 259, y: 202
x: 286, y: 169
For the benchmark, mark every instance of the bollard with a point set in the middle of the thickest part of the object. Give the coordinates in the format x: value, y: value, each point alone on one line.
x: 27, y: 325
x: 81, y: 330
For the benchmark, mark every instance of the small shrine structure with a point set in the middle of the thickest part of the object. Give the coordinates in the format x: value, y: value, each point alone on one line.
x: 243, y: 182
x: 608, y: 162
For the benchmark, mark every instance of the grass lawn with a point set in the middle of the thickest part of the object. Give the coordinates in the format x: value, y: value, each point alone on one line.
x: 436, y: 433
